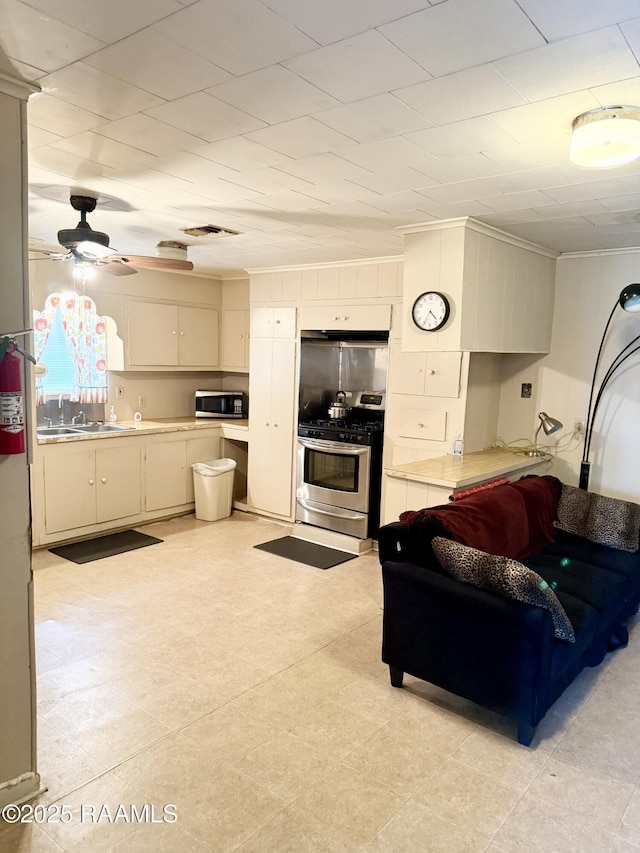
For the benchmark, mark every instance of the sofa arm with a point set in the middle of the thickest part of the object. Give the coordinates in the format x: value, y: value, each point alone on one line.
x: 489, y: 649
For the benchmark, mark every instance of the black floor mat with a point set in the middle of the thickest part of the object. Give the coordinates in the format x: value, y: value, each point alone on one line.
x: 104, y: 546
x: 309, y: 553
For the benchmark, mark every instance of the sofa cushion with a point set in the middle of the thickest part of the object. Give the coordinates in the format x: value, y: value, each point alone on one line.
x: 504, y: 576
x: 604, y: 520
x: 493, y: 521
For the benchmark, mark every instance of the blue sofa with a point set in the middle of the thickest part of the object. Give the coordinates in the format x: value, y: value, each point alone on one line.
x: 497, y: 651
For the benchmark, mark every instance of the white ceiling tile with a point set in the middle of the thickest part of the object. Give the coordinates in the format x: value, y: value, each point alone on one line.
x: 149, y: 134
x: 269, y: 180
x: 461, y: 208
x: 534, y: 179
x: 190, y: 167
x: 80, y: 84
x: 621, y: 202
x: 333, y: 20
x: 37, y: 137
x: 600, y: 189
x: 571, y: 209
x: 339, y: 191
x: 631, y: 32
x: 323, y: 167
x: 205, y: 117
x: 359, y: 67
x: 110, y: 21
x: 520, y: 200
x: 238, y: 35
x: 300, y: 137
x: 287, y: 200
x: 569, y: 66
x: 462, y: 95
x: 456, y: 35
x: 398, y: 202
x: 374, y: 118
x: 273, y: 94
x: 58, y: 117
x: 562, y: 20
x: 461, y: 191
x: 462, y: 137
x: 541, y: 150
x: 62, y: 163
x: 150, y: 61
x: 621, y: 92
x: 37, y: 40
x: 394, y: 180
x: 465, y: 167
x: 92, y: 146
x: 383, y: 153
x: 240, y: 154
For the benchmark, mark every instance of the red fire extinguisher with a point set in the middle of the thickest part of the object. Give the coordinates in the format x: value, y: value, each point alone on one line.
x: 11, y: 403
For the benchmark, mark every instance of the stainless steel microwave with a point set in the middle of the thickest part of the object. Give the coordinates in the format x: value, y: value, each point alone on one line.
x: 221, y: 404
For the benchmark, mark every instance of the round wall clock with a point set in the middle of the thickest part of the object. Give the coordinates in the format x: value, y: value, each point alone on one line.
x: 430, y: 311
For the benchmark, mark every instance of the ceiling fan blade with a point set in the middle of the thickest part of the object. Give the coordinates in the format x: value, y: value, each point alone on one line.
x: 153, y: 263
x: 116, y: 268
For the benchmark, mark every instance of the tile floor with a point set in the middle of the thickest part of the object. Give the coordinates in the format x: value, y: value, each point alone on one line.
x: 247, y: 691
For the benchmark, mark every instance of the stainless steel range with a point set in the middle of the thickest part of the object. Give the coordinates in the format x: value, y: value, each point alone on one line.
x: 340, y: 469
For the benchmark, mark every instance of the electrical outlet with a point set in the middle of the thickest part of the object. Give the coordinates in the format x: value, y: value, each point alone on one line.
x: 142, y: 401
x: 578, y: 427
x: 119, y: 391
x: 525, y: 389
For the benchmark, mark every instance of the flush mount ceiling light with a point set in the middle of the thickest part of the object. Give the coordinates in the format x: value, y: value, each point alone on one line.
x: 607, y: 136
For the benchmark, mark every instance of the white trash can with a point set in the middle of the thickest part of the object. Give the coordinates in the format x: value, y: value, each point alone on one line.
x: 213, y: 487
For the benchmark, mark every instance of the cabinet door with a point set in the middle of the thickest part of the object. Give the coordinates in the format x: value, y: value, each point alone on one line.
x: 117, y: 482
x: 165, y: 475
x: 272, y: 394
x: 351, y: 317
x: 235, y: 339
x: 199, y: 450
x: 407, y: 372
x: 442, y: 374
x: 198, y: 337
x: 69, y: 489
x: 153, y: 333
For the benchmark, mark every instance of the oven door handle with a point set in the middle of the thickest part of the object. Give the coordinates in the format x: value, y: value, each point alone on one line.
x: 335, y: 513
x: 334, y: 447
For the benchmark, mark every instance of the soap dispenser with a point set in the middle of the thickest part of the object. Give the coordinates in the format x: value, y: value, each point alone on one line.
x: 112, y: 415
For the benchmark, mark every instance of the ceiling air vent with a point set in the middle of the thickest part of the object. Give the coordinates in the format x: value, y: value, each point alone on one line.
x: 211, y: 231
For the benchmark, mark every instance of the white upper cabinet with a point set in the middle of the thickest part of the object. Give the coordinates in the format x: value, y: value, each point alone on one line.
x: 273, y: 322
x: 345, y: 317
x: 235, y: 339
x: 500, y: 289
x: 165, y: 335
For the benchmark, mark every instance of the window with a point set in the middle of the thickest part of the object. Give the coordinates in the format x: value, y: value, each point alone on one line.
x: 70, y: 340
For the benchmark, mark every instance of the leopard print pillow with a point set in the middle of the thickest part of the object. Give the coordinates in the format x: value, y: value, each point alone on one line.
x: 504, y: 576
x: 603, y: 520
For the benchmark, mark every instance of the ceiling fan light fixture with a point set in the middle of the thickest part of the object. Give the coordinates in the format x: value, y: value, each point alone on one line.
x: 92, y: 249
x: 605, y: 137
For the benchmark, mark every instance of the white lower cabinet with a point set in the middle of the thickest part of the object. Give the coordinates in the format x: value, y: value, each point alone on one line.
x: 168, y: 472
x: 84, y: 486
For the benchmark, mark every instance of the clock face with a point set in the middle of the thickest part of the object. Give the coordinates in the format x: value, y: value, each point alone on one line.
x: 430, y: 311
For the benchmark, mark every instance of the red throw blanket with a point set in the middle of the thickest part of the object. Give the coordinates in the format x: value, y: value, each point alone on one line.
x: 497, y: 521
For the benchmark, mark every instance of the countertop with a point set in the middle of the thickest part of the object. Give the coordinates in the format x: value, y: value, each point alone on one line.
x: 151, y: 427
x: 457, y: 472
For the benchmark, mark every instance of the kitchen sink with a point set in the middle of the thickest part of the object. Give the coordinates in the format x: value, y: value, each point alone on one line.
x: 45, y: 432
x: 101, y: 428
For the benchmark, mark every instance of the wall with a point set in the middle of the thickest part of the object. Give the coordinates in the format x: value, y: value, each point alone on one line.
x: 18, y: 777
x: 167, y: 394
x: 587, y: 286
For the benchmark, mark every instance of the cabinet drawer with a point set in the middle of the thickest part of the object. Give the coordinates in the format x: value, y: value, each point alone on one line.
x: 422, y: 423
x: 348, y: 317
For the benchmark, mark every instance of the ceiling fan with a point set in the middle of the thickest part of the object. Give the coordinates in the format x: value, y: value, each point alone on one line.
x: 85, y: 246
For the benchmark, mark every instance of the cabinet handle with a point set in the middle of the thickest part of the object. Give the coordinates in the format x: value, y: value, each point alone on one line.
x: 336, y: 318
x: 276, y: 426
x: 182, y: 333
x: 266, y: 423
x: 430, y: 372
x: 174, y: 332
x: 421, y: 425
x: 241, y: 337
x: 103, y: 480
x: 277, y: 322
x: 91, y: 482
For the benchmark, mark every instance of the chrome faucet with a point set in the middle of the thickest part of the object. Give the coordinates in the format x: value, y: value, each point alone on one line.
x: 60, y: 409
x: 76, y: 418
x: 48, y: 421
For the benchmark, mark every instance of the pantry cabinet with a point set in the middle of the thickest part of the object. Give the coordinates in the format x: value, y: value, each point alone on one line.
x: 83, y: 486
x: 165, y: 335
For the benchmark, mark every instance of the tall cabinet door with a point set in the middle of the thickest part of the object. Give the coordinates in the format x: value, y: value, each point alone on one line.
x: 272, y: 396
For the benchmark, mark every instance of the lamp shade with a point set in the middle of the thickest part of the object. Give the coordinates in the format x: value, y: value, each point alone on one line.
x: 549, y: 424
x: 607, y: 136
x: 630, y: 298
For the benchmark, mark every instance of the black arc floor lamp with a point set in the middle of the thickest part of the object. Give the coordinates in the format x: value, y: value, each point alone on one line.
x: 629, y: 300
